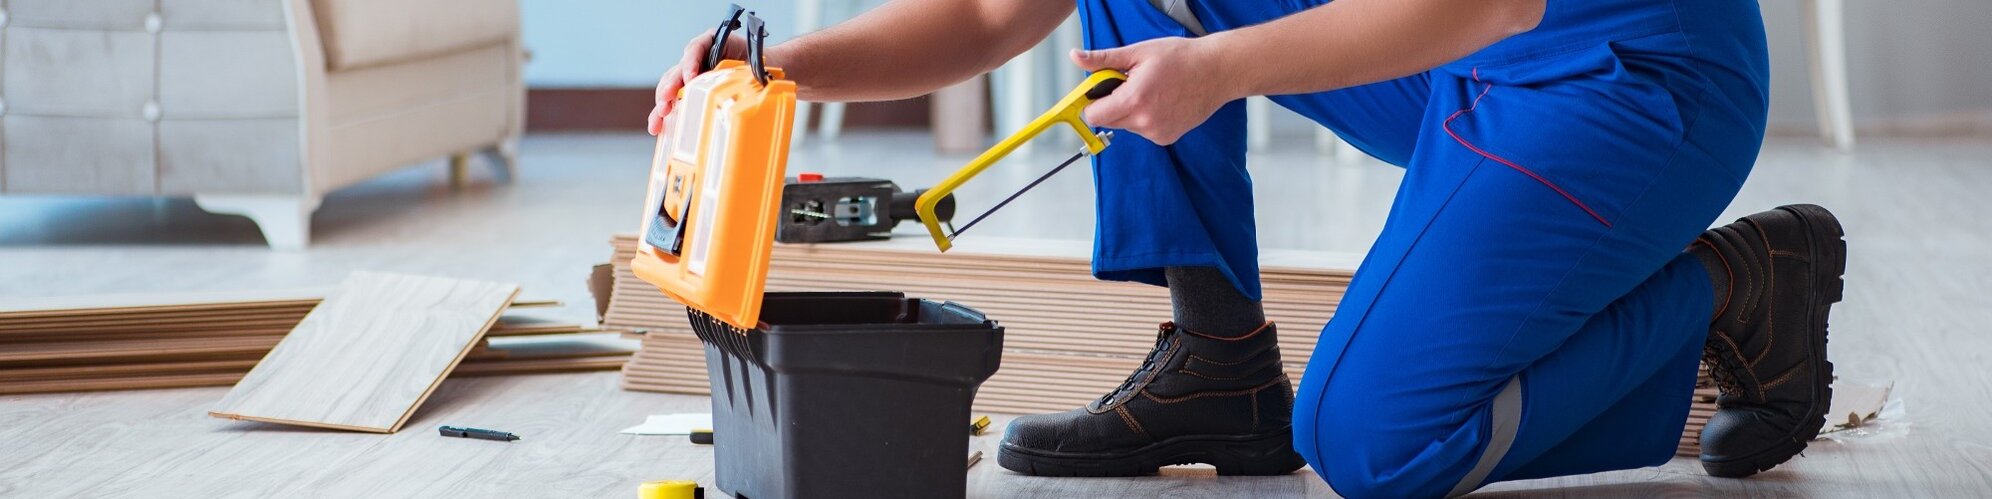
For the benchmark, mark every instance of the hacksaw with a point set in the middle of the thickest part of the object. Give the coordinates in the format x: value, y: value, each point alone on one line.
x: 1096, y: 86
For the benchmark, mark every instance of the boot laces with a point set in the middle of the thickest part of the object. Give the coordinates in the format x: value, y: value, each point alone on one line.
x: 1722, y: 370
x: 1155, y: 355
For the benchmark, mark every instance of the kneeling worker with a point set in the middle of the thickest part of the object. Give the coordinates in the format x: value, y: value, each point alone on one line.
x: 1543, y: 288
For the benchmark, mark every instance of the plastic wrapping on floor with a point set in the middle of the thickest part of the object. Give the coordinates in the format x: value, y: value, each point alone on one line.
x: 672, y: 424
x: 1863, y: 412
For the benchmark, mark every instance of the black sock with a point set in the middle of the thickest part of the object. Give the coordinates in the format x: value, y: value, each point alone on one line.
x: 1208, y: 303
x: 1718, y: 272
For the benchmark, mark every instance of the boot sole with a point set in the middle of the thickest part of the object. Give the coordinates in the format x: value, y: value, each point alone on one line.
x: 1829, y: 254
x: 1232, y: 455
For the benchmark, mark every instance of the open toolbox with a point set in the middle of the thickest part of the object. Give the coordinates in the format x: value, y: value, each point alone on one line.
x: 822, y: 394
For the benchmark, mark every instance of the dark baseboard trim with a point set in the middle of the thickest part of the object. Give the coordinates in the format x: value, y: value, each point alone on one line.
x: 574, y: 109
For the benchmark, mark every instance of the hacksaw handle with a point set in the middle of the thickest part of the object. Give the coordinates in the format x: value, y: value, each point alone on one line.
x: 1096, y: 86
x: 1104, y: 88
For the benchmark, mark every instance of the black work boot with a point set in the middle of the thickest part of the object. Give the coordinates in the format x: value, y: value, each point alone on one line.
x: 1225, y: 402
x: 1766, y: 349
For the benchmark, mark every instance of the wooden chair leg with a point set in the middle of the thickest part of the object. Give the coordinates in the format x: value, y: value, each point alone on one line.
x: 831, y: 124
x: 1326, y: 142
x: 1015, y: 96
x: 1258, y: 123
x: 1826, y: 44
x: 808, y: 18
x: 459, y: 170
x: 504, y: 160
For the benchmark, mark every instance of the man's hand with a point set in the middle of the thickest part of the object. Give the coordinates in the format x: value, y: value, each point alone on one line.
x: 687, y: 68
x: 1173, y: 85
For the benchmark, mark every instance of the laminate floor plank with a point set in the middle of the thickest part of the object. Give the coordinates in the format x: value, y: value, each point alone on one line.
x: 205, y: 316
x: 117, y: 370
x: 80, y: 352
x: 368, y: 355
x: 153, y: 336
x: 160, y: 302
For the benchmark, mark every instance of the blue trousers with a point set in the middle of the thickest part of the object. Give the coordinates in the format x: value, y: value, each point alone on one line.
x: 1527, y: 311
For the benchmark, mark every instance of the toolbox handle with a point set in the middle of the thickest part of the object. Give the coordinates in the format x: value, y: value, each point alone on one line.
x: 717, y: 51
x: 757, y: 37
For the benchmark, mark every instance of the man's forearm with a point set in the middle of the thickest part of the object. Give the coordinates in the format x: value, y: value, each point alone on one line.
x: 908, y: 48
x: 1355, y: 42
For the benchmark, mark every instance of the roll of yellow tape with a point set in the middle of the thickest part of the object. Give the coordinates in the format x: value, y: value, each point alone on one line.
x: 668, y: 489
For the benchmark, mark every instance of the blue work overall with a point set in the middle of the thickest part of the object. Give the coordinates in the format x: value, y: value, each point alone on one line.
x: 1527, y: 311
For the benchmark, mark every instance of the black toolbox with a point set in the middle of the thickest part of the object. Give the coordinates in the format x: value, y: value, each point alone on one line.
x: 846, y: 395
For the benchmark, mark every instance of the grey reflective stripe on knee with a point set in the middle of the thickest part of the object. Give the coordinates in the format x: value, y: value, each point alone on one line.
x: 1180, y: 11
x: 1507, y: 419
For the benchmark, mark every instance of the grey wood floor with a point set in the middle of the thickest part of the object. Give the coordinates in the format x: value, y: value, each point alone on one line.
x: 1918, y: 310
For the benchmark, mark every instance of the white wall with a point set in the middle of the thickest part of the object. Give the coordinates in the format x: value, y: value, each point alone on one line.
x: 624, y: 43
x: 1912, y: 61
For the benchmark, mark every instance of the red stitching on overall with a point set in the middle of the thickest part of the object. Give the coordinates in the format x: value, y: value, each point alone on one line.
x: 1447, y: 125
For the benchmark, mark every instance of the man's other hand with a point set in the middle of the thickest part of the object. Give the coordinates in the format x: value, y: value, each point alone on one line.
x: 1173, y: 85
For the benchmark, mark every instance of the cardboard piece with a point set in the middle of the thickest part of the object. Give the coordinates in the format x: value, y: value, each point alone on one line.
x: 672, y: 424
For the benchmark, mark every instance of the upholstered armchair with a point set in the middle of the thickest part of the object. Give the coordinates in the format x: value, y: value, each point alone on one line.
x: 251, y: 107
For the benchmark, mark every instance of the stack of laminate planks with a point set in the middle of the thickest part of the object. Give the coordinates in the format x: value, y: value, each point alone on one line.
x: 1700, y: 409
x: 1067, y: 337
x: 212, y: 339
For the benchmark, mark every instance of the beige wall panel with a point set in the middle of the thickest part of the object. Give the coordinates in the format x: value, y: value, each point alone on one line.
x: 229, y: 157
x: 78, y: 155
x: 226, y: 74
x: 65, y: 72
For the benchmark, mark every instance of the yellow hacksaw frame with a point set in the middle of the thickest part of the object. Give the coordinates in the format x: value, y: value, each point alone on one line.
x: 1096, y: 86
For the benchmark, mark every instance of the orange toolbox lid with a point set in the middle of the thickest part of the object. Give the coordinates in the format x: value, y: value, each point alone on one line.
x: 716, y: 184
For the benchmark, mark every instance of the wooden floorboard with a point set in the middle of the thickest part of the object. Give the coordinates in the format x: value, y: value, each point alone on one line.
x: 370, y: 353
x: 568, y: 425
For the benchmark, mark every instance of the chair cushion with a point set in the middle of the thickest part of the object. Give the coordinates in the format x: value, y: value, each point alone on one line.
x: 362, y: 33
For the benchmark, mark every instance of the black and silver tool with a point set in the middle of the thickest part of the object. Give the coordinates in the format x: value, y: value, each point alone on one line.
x: 453, y: 431
x: 820, y: 209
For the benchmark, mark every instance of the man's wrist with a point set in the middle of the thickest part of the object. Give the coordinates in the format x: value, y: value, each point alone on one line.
x: 782, y: 55
x: 1230, y: 69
